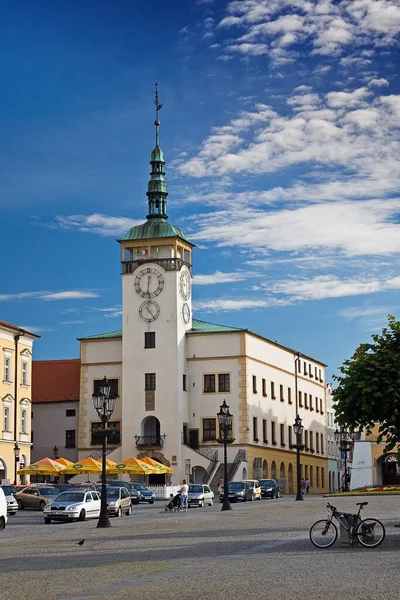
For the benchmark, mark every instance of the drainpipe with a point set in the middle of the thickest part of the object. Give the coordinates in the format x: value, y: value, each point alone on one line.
x: 16, y: 340
x: 296, y: 363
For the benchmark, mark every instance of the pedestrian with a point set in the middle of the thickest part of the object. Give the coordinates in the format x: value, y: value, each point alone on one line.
x: 303, y: 486
x: 307, y: 485
x: 220, y: 486
x: 184, y: 491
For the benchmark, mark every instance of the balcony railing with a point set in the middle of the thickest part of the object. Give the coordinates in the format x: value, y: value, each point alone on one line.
x: 168, y: 264
x: 149, y: 441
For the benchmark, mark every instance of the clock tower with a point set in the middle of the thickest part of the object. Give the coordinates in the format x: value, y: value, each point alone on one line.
x: 157, y: 313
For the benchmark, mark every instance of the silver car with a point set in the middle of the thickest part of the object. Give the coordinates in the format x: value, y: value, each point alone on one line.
x: 200, y: 494
x: 12, y: 505
x: 77, y: 505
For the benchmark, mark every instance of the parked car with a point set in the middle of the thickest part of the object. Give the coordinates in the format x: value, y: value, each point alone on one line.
x: 3, y: 510
x: 255, y: 488
x: 134, y: 493
x: 76, y: 505
x: 269, y: 488
x: 118, y: 501
x: 237, y: 491
x: 145, y: 495
x: 9, y: 492
x: 36, y: 496
x: 199, y: 495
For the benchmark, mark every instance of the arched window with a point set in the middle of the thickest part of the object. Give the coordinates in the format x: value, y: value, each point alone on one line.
x: 273, y: 470
x: 265, y: 470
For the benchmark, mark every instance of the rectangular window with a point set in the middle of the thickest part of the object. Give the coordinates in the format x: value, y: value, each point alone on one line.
x: 300, y: 399
x: 289, y: 395
x: 290, y: 432
x: 311, y: 441
x: 298, y: 363
x: 321, y: 405
x: 96, y: 435
x: 70, y: 412
x: 264, y: 387
x: 255, y: 429
x: 112, y: 382
x: 23, y: 421
x: 6, y: 418
x: 322, y: 477
x: 317, y: 476
x: 224, y: 383
x: 149, y: 381
x: 24, y: 374
x: 184, y: 382
x: 316, y: 406
x: 305, y: 368
x: 265, y: 435
x: 305, y: 400
x: 311, y: 403
x: 70, y: 438
x: 209, y: 430
x: 273, y: 390
x: 307, y: 447
x: 150, y: 339
x: 254, y: 384
x: 7, y: 369
x: 311, y: 477
x: 273, y: 433
x: 320, y: 375
x: 317, y: 442
x: 209, y: 384
x: 282, y: 432
x: 316, y: 373
x: 310, y: 371
x: 322, y: 443
x: 282, y: 399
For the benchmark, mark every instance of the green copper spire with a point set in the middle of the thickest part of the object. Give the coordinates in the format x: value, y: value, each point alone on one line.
x: 157, y: 189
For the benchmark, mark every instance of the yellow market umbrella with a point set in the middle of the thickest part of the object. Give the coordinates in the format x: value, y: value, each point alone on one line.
x: 160, y: 468
x: 45, y: 466
x: 110, y: 463
x: 64, y: 462
x: 134, y: 466
x: 87, y: 465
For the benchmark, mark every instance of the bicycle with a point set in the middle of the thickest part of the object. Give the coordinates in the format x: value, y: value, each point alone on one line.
x: 369, y: 532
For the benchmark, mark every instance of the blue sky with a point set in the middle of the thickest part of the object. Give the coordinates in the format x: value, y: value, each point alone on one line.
x: 279, y: 126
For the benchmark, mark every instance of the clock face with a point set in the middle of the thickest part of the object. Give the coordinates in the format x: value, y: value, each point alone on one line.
x: 184, y: 285
x: 149, y: 282
x: 186, y: 313
x: 149, y: 310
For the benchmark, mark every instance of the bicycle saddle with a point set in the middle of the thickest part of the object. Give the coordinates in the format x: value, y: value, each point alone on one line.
x: 361, y: 503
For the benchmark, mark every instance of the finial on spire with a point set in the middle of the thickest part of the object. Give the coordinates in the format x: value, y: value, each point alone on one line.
x: 158, y: 107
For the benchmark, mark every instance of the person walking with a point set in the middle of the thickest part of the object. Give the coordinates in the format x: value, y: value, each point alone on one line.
x: 184, y: 491
x: 303, y: 486
x: 307, y: 485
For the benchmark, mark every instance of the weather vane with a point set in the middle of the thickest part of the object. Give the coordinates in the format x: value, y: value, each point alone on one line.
x: 157, y: 104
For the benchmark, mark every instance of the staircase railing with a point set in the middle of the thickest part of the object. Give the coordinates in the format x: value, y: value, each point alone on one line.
x: 240, y: 457
x: 97, y: 454
x: 211, y: 467
x: 207, y: 452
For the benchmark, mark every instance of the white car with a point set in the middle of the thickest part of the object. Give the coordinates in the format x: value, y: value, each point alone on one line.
x: 3, y: 510
x: 12, y: 505
x: 200, y: 494
x: 76, y: 505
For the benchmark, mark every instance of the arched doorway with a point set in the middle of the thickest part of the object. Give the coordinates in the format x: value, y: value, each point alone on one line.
x: 389, y: 468
x: 265, y: 470
x: 282, y: 477
x: 150, y: 432
x: 154, y: 479
x: 244, y: 474
x: 3, y: 469
x: 290, y: 478
x: 198, y: 473
x: 273, y: 470
x: 257, y: 468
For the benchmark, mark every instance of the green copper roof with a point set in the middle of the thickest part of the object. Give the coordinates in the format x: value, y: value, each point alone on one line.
x: 102, y: 336
x: 153, y: 229
x: 204, y: 327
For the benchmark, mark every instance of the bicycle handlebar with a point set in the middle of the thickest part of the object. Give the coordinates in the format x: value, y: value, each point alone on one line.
x: 333, y: 508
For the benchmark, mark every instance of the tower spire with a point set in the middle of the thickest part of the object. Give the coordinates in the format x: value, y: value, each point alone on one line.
x: 157, y: 189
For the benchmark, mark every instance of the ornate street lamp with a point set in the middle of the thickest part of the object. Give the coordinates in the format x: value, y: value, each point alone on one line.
x: 104, y: 404
x: 298, y: 430
x: 345, y: 441
x: 16, y: 454
x: 225, y: 428
x: 55, y: 452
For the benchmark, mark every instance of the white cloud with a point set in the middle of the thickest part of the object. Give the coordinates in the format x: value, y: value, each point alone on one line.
x: 218, y: 277
x: 110, y: 312
x: 363, y: 312
x: 96, y: 223
x: 378, y: 82
x: 45, y: 295
x: 222, y: 304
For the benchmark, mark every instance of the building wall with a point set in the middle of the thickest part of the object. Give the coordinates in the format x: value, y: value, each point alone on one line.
x: 9, y: 435
x: 335, y: 466
x: 50, y: 423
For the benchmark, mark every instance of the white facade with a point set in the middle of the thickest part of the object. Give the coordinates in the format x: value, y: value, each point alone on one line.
x: 50, y: 424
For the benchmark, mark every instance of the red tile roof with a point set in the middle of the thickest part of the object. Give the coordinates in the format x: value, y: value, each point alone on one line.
x: 16, y: 328
x: 55, y: 380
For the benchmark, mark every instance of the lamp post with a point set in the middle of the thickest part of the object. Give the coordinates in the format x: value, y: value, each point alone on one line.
x: 16, y: 454
x: 55, y: 452
x: 298, y: 430
x: 225, y: 428
x: 104, y: 404
x: 345, y: 442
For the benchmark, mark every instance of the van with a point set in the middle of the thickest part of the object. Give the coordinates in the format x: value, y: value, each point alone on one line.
x: 254, y: 485
x: 3, y: 510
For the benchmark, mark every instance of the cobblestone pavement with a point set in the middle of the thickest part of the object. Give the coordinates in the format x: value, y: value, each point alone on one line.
x: 257, y: 550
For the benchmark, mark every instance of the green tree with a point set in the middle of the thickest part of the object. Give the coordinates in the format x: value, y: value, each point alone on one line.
x: 368, y: 388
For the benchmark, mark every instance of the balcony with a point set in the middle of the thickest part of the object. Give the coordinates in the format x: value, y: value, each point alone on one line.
x: 149, y: 441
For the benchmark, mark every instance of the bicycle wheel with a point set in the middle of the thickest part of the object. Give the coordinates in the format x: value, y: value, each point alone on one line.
x: 323, y: 533
x: 370, y: 533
